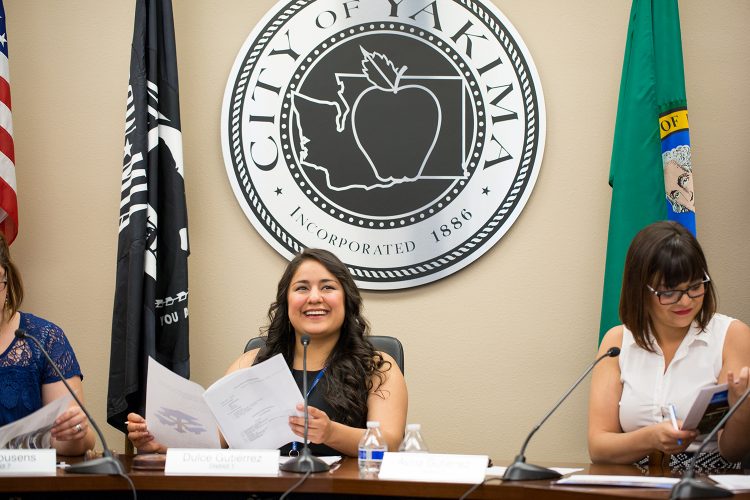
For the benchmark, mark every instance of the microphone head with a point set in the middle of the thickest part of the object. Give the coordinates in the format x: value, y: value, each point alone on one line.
x: 20, y: 333
x: 305, y: 339
x: 613, y: 352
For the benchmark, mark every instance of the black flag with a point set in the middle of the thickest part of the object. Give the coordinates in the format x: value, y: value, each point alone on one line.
x: 150, y: 316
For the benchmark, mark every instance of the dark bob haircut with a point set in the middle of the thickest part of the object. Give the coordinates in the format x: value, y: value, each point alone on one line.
x: 662, y: 255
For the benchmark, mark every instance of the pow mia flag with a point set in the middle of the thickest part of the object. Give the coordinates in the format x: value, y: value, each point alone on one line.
x: 150, y: 316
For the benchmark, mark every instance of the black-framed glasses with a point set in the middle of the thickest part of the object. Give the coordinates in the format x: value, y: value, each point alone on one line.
x: 669, y: 297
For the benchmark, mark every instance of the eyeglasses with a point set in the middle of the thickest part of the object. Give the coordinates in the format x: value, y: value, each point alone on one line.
x: 669, y: 297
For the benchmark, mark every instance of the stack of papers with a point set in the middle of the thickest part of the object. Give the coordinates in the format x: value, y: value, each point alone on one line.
x: 630, y: 481
x: 331, y: 461
x: 499, y: 471
x: 734, y: 482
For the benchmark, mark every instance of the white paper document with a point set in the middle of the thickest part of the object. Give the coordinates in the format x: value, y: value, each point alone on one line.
x: 252, y: 406
x: 33, y: 431
x: 734, y: 482
x: 631, y: 481
x: 499, y: 471
x: 176, y: 413
x: 329, y: 460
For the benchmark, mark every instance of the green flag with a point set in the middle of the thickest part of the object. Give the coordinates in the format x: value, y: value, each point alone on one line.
x: 650, y: 172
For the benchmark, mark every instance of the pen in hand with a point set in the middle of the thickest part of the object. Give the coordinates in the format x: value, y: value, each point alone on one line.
x: 673, y: 418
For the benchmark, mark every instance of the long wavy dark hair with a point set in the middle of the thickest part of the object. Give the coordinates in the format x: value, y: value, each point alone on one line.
x: 352, y: 362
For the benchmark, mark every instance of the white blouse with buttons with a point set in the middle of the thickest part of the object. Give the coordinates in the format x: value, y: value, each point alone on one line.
x: 647, y: 386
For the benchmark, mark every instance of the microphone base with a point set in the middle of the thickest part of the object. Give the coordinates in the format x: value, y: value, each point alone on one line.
x: 689, y: 487
x: 103, y: 465
x: 305, y: 462
x: 521, y: 471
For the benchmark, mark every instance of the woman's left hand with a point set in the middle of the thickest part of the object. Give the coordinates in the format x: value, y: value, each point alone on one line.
x: 737, y: 385
x: 70, y: 425
x: 319, y: 426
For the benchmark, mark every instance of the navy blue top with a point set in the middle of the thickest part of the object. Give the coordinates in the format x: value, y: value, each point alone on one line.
x: 318, y: 400
x: 24, y: 369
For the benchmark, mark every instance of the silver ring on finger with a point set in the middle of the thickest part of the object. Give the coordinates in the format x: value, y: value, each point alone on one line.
x: 78, y: 428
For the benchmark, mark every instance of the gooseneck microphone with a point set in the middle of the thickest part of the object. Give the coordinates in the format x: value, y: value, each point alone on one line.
x: 305, y: 461
x: 689, y: 486
x: 108, y: 464
x: 519, y: 470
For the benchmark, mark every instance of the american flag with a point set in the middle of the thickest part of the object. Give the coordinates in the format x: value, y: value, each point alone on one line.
x: 8, y: 204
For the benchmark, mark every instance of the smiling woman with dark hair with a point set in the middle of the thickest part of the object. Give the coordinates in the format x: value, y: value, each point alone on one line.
x: 673, y: 343
x: 332, y: 316
x: 351, y: 381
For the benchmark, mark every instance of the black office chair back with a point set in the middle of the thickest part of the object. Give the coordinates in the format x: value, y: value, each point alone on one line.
x: 383, y: 343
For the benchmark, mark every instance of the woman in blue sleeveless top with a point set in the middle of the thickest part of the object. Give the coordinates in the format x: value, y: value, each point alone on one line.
x: 351, y: 383
x: 27, y: 381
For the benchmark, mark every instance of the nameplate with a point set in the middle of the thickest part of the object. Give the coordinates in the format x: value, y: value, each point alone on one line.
x: 434, y: 467
x: 28, y: 462
x: 205, y: 462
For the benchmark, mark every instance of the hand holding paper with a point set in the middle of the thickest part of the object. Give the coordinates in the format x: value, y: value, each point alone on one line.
x: 251, y: 407
x: 33, y: 431
x: 176, y: 414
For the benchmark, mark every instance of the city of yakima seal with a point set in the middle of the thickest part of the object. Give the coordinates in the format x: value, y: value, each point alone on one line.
x: 405, y: 136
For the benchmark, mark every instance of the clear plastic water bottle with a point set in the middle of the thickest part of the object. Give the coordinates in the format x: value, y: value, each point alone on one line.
x: 372, y: 447
x: 413, y: 442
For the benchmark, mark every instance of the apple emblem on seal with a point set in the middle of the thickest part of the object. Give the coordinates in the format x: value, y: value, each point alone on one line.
x: 395, y: 124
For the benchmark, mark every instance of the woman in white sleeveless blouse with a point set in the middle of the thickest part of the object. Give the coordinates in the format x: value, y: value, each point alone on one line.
x: 672, y: 344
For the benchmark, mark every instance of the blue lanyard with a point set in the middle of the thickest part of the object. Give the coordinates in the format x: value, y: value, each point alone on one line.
x: 295, y: 444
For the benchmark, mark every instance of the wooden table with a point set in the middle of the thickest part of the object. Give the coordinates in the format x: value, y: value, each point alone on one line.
x: 342, y: 483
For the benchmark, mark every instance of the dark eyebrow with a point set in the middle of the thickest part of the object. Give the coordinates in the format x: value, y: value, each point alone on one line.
x: 690, y: 284
x: 307, y: 282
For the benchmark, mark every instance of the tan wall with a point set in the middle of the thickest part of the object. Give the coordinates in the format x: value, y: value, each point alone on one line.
x: 489, y: 349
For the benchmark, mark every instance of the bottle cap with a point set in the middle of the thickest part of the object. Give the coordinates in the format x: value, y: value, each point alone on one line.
x: 413, y: 427
x: 373, y: 424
